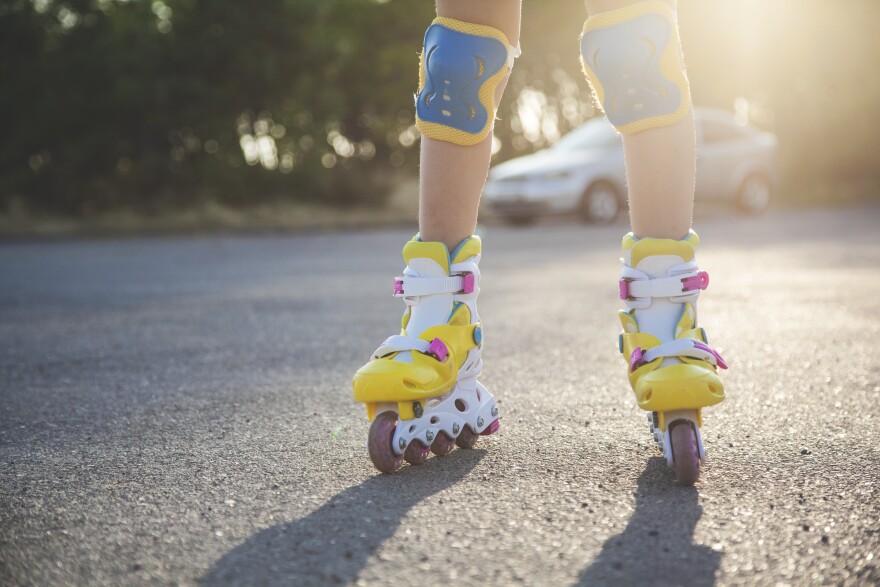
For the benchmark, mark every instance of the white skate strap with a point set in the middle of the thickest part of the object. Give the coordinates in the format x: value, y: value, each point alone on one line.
x: 680, y: 347
x: 405, y: 286
x: 399, y: 343
x: 638, y: 286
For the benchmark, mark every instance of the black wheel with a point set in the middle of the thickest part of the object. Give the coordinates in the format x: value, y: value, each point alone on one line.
x: 467, y: 438
x: 379, y: 443
x: 754, y: 194
x: 685, y: 452
x: 600, y: 204
x: 442, y: 445
x: 416, y: 453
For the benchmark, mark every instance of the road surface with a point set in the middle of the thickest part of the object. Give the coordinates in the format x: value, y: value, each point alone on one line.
x: 178, y: 411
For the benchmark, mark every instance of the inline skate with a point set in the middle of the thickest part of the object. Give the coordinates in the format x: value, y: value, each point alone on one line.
x: 420, y: 387
x: 672, y: 369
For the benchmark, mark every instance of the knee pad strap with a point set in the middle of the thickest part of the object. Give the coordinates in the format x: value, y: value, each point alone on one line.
x: 632, y: 59
x: 461, y: 66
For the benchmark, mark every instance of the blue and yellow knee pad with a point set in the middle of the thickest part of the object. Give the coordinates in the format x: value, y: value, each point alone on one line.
x: 461, y: 66
x: 632, y: 59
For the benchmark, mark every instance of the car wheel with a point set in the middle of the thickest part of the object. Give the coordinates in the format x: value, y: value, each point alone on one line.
x: 600, y: 204
x: 754, y: 194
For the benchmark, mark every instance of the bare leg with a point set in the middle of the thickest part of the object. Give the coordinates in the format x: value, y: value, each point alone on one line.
x: 660, y: 168
x: 660, y: 280
x: 452, y: 176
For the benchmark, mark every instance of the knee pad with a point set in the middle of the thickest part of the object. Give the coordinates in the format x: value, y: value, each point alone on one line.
x: 461, y: 66
x: 632, y: 59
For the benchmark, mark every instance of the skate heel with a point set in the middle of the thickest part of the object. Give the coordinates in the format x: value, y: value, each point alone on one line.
x: 672, y: 369
x: 683, y: 449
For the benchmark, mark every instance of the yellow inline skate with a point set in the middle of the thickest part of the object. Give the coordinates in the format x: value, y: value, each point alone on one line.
x: 672, y: 369
x: 420, y: 387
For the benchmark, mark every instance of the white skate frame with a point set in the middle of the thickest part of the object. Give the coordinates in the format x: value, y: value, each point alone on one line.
x: 442, y: 414
x: 662, y: 437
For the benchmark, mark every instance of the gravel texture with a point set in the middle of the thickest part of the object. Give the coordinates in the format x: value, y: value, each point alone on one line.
x: 178, y: 411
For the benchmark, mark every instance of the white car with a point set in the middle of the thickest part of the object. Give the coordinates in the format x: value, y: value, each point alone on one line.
x: 584, y: 171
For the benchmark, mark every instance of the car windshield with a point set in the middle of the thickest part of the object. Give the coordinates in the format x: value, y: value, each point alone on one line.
x: 596, y: 134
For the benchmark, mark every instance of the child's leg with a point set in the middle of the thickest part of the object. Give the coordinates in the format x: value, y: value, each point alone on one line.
x: 660, y: 166
x: 632, y: 58
x: 452, y: 175
x: 420, y: 387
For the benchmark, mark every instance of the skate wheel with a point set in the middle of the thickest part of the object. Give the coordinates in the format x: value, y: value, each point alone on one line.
x: 442, y: 445
x: 379, y: 443
x: 685, y: 453
x: 467, y: 438
x: 416, y: 453
x: 491, y: 428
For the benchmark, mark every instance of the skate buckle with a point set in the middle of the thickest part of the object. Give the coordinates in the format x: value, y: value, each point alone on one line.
x: 636, y: 359
x: 719, y: 360
x: 438, y: 350
x: 624, y: 289
x: 468, y: 282
x: 699, y: 281
x: 398, y: 286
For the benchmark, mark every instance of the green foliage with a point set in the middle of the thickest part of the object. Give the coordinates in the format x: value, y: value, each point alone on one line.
x: 149, y: 105
x: 157, y: 105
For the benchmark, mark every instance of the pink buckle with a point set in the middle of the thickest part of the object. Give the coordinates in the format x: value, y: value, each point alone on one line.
x: 636, y: 359
x: 695, y: 282
x: 468, y: 282
x: 624, y: 289
x: 438, y: 350
x: 718, y: 358
x: 398, y: 287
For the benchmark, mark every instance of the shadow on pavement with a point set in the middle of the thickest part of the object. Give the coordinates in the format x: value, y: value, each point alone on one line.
x: 332, y: 544
x: 656, y: 547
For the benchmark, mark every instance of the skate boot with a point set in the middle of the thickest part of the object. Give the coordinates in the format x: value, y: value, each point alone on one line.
x: 672, y: 370
x: 420, y: 387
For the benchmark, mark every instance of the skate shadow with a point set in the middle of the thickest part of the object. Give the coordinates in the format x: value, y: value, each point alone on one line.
x: 332, y: 544
x: 656, y: 547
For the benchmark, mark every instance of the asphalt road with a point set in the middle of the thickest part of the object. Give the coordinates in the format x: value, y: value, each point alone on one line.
x: 178, y: 411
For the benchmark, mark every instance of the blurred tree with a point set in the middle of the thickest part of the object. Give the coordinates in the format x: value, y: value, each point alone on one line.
x: 156, y: 104
x: 147, y: 105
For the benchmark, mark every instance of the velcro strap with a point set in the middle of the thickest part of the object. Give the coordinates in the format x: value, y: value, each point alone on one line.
x: 663, y: 287
x: 405, y: 286
x: 399, y: 343
x: 680, y: 347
